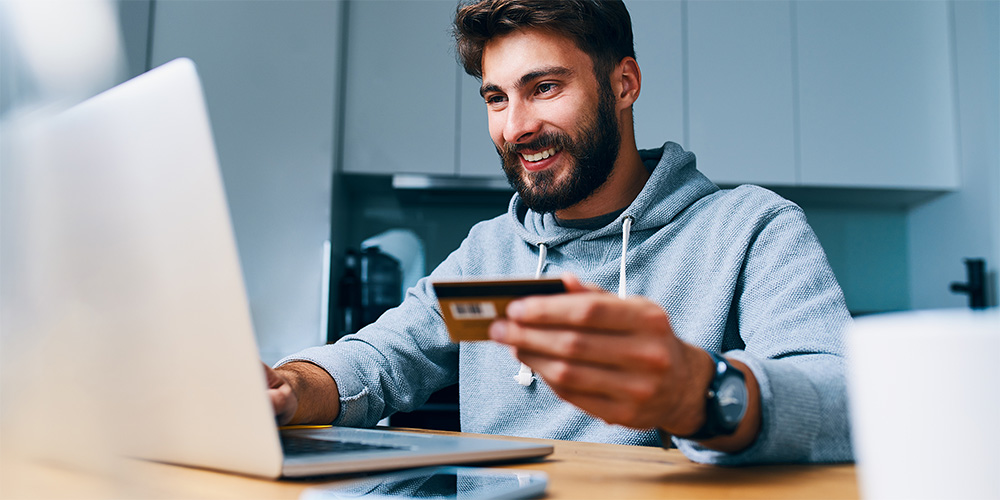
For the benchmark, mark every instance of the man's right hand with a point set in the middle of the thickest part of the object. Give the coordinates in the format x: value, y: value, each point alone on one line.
x: 282, y: 396
x: 302, y: 393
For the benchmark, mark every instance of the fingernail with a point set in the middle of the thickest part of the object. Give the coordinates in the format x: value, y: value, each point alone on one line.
x: 515, y: 309
x: 498, y: 330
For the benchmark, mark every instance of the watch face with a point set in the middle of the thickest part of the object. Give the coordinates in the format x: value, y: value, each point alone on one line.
x: 732, y: 399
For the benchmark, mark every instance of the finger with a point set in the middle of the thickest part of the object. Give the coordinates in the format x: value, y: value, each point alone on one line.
x: 591, y: 346
x: 591, y: 310
x: 279, y: 391
x: 591, y: 391
x: 273, y: 379
x: 584, y: 378
x: 563, y: 376
x: 283, y: 403
x: 609, y: 409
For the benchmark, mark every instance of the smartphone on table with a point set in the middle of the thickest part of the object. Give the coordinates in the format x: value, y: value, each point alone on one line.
x: 439, y: 483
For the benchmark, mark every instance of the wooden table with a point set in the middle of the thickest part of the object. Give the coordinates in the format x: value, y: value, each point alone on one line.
x: 576, y: 471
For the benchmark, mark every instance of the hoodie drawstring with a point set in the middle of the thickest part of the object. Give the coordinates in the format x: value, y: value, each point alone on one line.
x: 542, y: 252
x: 524, y: 375
x: 626, y: 230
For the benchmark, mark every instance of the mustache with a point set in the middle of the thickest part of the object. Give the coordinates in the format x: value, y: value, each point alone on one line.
x: 544, y: 141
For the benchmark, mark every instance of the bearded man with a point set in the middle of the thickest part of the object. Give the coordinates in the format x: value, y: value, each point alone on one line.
x: 725, y: 337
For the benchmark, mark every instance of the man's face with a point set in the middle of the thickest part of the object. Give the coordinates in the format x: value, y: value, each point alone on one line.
x: 552, y: 122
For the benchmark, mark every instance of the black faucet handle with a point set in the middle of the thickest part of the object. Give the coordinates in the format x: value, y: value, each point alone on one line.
x: 975, y: 287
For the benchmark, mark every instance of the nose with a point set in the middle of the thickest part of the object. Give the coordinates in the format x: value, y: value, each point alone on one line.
x: 521, y: 123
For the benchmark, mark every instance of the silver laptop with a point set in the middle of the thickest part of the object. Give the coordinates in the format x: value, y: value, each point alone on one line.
x: 145, y: 260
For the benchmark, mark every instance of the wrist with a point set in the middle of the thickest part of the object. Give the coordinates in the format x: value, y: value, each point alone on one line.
x: 731, y: 419
x: 725, y: 401
x: 691, y: 408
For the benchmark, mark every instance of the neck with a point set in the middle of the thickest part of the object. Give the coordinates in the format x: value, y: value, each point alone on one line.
x: 623, y: 185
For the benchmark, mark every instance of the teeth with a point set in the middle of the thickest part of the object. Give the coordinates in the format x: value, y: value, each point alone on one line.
x: 540, y: 155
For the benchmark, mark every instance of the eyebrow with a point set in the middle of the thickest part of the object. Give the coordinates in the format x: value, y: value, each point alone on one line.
x: 528, y: 78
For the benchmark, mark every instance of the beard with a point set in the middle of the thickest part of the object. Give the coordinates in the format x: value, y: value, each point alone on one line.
x: 593, y: 154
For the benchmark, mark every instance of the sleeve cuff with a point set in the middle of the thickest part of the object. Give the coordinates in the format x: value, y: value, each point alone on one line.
x: 785, y: 436
x: 355, y: 406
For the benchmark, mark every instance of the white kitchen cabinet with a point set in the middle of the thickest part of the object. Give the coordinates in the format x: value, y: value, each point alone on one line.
x: 269, y: 72
x: 410, y: 107
x: 740, y: 91
x: 401, y: 88
x: 796, y: 94
x: 876, y: 92
x: 812, y: 93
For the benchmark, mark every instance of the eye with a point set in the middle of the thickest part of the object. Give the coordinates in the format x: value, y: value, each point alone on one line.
x: 495, y: 99
x: 546, y: 87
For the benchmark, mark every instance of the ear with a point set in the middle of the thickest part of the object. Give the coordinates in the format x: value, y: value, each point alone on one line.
x: 626, y: 80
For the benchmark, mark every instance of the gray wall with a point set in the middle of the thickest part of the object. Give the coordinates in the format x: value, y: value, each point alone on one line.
x: 965, y: 223
x: 270, y: 72
x: 866, y: 248
x: 135, y: 19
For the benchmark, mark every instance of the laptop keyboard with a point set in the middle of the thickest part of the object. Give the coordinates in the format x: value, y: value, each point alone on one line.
x: 294, y: 446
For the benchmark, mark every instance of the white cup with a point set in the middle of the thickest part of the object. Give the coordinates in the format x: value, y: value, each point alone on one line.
x: 925, y: 404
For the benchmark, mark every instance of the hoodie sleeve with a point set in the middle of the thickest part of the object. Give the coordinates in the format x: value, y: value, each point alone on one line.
x: 791, y: 320
x: 393, y: 364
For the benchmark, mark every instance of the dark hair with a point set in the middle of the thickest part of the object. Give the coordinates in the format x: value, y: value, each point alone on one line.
x: 601, y: 28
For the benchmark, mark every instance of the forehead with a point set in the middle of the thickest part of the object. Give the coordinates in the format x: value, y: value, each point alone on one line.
x: 509, y: 57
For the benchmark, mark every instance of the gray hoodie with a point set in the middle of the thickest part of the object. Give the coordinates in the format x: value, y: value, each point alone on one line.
x: 738, y: 271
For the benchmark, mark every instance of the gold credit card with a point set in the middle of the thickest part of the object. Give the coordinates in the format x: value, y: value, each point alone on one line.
x: 470, y: 306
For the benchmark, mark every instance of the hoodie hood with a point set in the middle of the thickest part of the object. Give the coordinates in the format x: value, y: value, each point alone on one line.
x: 674, y: 184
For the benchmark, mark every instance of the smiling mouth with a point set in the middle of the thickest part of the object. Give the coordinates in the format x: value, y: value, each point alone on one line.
x: 541, y: 155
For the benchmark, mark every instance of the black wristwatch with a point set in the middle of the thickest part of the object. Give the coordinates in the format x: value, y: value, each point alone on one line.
x: 725, y: 402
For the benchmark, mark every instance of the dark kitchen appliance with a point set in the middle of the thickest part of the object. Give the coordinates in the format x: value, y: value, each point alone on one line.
x: 369, y: 287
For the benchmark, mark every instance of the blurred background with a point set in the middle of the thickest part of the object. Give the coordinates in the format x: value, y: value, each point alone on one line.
x: 355, y: 151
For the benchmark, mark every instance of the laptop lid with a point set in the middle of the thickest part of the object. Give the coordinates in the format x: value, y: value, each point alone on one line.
x: 147, y: 266
x: 147, y: 262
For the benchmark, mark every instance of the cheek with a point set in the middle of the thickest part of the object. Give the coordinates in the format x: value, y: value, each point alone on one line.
x: 496, y: 130
x: 568, y: 114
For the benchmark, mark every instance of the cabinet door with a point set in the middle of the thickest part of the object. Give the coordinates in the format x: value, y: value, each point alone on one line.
x: 400, y: 88
x: 269, y: 73
x: 740, y: 91
x: 876, y: 94
x: 658, y: 35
